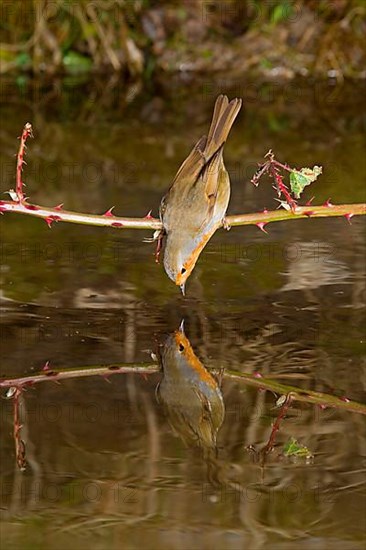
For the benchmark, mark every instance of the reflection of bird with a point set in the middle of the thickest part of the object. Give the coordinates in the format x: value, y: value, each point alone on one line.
x: 190, y: 395
x: 196, y: 203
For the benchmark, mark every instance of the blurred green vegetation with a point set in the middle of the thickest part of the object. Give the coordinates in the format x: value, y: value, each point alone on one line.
x: 141, y: 36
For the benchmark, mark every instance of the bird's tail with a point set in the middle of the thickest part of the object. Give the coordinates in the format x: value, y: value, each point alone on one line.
x: 223, y: 118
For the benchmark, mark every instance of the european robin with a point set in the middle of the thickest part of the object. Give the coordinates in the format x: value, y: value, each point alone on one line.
x: 190, y: 395
x: 196, y: 203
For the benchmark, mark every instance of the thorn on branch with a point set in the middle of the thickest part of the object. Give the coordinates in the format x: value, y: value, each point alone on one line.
x: 50, y: 219
x: 12, y: 194
x: 46, y: 369
x: 283, y: 204
x: 261, y: 226
x: 109, y: 213
x: 262, y: 168
x: 46, y: 366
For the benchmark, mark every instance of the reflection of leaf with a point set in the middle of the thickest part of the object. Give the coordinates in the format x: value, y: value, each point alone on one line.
x: 76, y: 63
x: 6, y: 55
x: 266, y: 63
x: 23, y: 59
x: 295, y: 449
x: 301, y: 178
x: 89, y: 30
x: 207, y: 54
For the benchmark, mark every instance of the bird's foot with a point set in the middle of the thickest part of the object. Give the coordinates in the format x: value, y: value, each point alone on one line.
x: 159, y: 246
x: 158, y: 238
x: 226, y: 225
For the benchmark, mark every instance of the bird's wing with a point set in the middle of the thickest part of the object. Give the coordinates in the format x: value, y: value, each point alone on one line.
x: 193, y: 164
x: 204, y: 162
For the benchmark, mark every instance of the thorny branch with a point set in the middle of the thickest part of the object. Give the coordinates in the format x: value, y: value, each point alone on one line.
x: 27, y: 132
x: 16, y: 386
x: 297, y: 394
x: 289, y: 211
x: 15, y: 393
x: 276, y: 425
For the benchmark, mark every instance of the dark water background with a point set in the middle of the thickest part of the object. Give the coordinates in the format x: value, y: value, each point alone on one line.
x: 104, y: 467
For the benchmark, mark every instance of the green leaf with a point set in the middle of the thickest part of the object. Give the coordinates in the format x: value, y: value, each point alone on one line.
x: 295, y: 449
x: 299, y: 179
x: 281, y: 12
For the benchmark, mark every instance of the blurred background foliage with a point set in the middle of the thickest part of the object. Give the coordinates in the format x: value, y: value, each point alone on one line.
x: 277, y: 38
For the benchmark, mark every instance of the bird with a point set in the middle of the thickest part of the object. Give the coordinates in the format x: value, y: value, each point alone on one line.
x: 189, y: 394
x: 195, y: 205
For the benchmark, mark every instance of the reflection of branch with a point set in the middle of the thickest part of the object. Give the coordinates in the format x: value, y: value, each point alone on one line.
x: 58, y: 375
x: 276, y: 426
x: 19, y: 443
x: 297, y: 394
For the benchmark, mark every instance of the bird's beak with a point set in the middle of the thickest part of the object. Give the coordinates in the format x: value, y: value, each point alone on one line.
x: 181, y: 327
x: 183, y: 288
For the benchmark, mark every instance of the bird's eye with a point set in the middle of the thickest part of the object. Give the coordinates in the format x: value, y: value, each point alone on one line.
x: 183, y: 270
x: 181, y: 348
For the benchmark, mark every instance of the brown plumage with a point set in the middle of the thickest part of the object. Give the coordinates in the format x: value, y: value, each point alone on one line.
x: 196, y: 203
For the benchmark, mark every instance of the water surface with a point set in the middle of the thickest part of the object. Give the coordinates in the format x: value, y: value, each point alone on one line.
x: 105, y: 467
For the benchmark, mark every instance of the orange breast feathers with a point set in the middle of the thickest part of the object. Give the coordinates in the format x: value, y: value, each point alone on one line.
x: 193, y: 360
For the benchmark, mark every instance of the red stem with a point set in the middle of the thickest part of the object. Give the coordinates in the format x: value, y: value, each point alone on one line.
x: 27, y: 132
x: 282, y: 187
x: 280, y: 165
